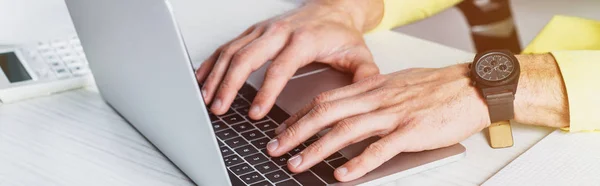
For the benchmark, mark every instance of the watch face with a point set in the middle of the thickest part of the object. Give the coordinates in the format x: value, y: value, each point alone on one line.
x: 495, y: 67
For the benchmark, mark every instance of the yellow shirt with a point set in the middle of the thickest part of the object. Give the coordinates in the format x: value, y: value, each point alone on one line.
x: 574, y: 42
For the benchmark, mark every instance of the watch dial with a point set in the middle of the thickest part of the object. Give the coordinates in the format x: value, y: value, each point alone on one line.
x: 495, y: 67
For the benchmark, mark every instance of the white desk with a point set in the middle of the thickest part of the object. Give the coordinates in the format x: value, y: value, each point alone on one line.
x: 74, y: 138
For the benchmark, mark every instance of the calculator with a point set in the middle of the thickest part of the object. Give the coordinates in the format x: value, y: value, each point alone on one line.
x: 42, y: 68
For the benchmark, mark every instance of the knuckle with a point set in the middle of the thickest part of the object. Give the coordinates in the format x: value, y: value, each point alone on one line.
x: 374, y: 80
x: 278, y: 26
x: 376, y: 150
x: 228, y: 51
x: 290, y: 133
x: 225, y: 85
x: 240, y: 57
x: 321, y: 98
x: 321, y: 109
x: 345, y: 126
x: 316, y: 148
x: 303, y: 35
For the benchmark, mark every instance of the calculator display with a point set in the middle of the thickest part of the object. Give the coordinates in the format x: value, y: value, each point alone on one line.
x: 12, y: 67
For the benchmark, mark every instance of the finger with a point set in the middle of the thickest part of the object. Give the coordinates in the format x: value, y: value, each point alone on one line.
x: 278, y: 74
x: 364, y: 70
x: 347, y: 91
x: 247, y: 60
x: 372, y: 157
x: 216, y: 75
x: 323, y: 116
x: 361, y: 63
x: 208, y: 64
x: 345, y: 132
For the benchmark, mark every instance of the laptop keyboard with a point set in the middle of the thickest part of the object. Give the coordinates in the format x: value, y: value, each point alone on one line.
x: 243, y: 143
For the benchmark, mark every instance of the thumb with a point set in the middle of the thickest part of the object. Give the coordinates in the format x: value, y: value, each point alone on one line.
x: 365, y: 70
x: 362, y: 64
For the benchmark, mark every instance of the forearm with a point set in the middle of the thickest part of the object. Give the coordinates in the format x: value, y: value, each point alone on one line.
x: 365, y: 14
x: 541, y: 98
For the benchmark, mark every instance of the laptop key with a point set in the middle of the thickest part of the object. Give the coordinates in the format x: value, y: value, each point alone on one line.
x: 261, y: 143
x: 281, y: 160
x: 325, y: 172
x: 253, y: 134
x: 236, y: 142
x: 233, y: 119
x: 256, y: 159
x: 271, y: 133
x: 286, y: 170
x: 219, y: 125
x: 262, y: 183
x: 243, y: 110
x: 264, y: 126
x: 213, y: 118
x: 239, y: 103
x: 277, y: 114
x: 277, y: 176
x: 242, y: 127
x: 252, y: 177
x: 289, y: 182
x: 225, y: 151
x: 266, y: 167
x: 248, y: 92
x: 246, y: 150
x: 257, y: 121
x: 235, y: 181
x: 230, y: 111
x: 338, y: 162
x: 298, y: 149
x: 232, y: 160
x: 308, y: 178
x: 241, y: 169
x: 226, y: 134
x: 221, y: 144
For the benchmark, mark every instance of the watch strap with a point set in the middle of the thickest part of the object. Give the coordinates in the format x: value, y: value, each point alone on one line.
x: 500, y: 106
x: 501, y: 134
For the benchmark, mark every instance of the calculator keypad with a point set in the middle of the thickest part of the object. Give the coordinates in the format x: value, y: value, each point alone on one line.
x: 62, y: 58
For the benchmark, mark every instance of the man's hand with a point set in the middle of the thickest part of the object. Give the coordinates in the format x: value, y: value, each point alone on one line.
x: 321, y: 31
x: 412, y: 110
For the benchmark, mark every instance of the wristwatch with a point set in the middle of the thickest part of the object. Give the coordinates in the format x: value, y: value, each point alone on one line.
x: 496, y: 74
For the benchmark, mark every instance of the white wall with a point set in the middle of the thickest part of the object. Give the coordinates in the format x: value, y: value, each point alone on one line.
x: 32, y: 20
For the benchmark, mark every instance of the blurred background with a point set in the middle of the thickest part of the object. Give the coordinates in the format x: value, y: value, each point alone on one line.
x: 26, y: 21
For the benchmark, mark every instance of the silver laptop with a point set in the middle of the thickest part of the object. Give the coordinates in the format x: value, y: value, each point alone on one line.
x: 142, y: 68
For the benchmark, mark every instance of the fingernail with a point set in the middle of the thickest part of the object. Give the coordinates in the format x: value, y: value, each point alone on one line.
x: 255, y: 110
x: 216, y: 104
x: 341, y: 171
x: 280, y: 129
x: 204, y: 92
x: 272, y: 145
x: 295, y: 161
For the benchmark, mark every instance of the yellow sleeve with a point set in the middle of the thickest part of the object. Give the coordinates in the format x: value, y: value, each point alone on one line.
x: 401, y: 12
x: 575, y: 44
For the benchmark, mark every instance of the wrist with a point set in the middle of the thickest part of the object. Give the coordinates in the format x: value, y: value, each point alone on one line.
x: 364, y: 14
x: 541, y: 97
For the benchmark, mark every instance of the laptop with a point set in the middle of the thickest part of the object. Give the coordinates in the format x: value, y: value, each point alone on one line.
x: 142, y: 68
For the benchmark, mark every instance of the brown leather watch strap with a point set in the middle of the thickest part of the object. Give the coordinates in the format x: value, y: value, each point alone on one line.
x: 500, y: 106
x: 501, y: 110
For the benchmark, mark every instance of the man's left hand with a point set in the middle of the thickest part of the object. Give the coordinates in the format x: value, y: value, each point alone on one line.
x: 411, y: 110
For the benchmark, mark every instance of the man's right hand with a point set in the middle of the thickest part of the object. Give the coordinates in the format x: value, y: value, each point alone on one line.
x: 325, y: 31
